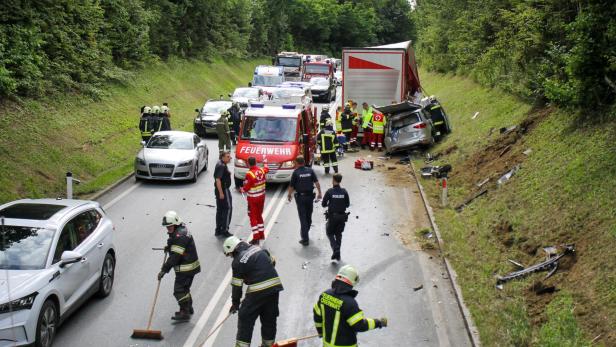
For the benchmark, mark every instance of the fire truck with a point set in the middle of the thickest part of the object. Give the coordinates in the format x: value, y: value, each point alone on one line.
x: 319, y: 69
x: 278, y: 133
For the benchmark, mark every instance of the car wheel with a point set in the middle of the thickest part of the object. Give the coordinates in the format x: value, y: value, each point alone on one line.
x: 107, y: 276
x: 47, y: 324
x: 195, y: 173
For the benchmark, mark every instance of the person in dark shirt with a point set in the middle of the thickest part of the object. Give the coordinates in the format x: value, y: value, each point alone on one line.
x: 303, y: 182
x: 336, y: 200
x: 224, y: 204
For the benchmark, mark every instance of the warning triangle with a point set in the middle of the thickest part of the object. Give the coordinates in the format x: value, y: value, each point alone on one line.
x: 356, y: 63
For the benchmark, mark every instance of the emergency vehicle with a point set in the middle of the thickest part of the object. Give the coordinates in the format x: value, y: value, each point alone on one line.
x: 267, y: 77
x: 292, y: 64
x: 279, y: 133
x: 319, y: 69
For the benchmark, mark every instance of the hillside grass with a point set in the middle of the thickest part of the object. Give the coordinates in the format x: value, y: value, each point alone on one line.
x: 40, y: 140
x: 565, y: 192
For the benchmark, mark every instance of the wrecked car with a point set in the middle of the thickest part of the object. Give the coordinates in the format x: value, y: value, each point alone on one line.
x: 438, y: 116
x: 408, y: 126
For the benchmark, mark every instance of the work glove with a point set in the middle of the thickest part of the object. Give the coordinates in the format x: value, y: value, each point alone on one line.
x: 380, y: 323
x: 234, y: 308
x: 166, y: 249
x: 161, y: 275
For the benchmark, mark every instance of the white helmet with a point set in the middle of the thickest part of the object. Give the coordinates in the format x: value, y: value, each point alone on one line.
x: 348, y: 275
x: 155, y: 109
x: 171, y: 218
x: 164, y: 109
x: 326, y: 108
x: 147, y: 109
x: 230, y: 244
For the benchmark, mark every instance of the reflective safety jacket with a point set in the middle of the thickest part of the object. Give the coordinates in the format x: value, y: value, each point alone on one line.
x: 254, y: 182
x: 183, y: 256
x: 155, y: 123
x: 254, y: 267
x: 338, y: 318
x: 378, y: 123
x: 355, y: 116
x: 366, y: 117
x: 144, y: 125
x: 338, y: 120
x: 327, y: 141
x: 324, y: 117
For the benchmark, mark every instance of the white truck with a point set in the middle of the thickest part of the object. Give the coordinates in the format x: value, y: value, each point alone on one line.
x: 380, y: 75
x: 293, y: 64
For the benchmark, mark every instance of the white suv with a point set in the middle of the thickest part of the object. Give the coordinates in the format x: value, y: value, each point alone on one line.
x: 54, y: 255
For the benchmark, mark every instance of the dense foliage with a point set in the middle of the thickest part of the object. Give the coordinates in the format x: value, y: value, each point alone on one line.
x: 49, y: 46
x: 562, y: 51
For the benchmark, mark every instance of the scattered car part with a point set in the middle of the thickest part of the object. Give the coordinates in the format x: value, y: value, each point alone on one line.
x: 507, y: 176
x: 466, y: 202
x: 550, y: 265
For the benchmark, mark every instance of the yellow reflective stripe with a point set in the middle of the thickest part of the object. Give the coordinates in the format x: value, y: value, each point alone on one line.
x: 325, y: 344
x: 335, y: 328
x: 178, y: 249
x: 187, y: 267
x: 252, y: 174
x: 318, y: 325
x: 323, y: 322
x: 185, y: 297
x: 258, y: 187
x: 317, y: 310
x: 436, y: 107
x: 371, y: 324
x: 438, y: 123
x: 242, y: 344
x: 355, y: 318
x: 237, y: 282
x: 272, y: 282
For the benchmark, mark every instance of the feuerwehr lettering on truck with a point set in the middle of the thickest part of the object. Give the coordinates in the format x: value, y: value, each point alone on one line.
x: 266, y: 150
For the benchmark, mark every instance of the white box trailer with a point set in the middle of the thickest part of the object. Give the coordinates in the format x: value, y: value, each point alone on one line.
x: 379, y: 75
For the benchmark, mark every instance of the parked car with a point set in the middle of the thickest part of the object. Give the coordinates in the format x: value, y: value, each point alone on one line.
x: 323, y: 88
x: 408, y: 126
x: 55, y: 254
x: 205, y: 122
x: 172, y: 155
x: 245, y: 95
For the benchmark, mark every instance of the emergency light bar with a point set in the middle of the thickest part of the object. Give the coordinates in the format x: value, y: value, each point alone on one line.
x: 288, y: 106
x: 257, y: 105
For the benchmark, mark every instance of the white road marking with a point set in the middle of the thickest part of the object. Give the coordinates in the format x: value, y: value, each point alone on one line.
x: 205, y: 316
x: 223, y: 312
x: 121, y: 196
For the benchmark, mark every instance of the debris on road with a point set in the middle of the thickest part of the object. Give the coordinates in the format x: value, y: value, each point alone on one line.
x: 482, y: 183
x: 305, y: 265
x: 475, y: 115
x: 507, y: 176
x: 435, y: 171
x: 505, y: 131
x: 460, y: 207
x: 419, y: 287
x: 527, y: 152
x: 385, y: 234
x: 391, y: 168
x: 550, y: 265
x: 207, y: 205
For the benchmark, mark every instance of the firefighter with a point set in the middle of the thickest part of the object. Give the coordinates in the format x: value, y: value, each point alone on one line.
x: 144, y: 126
x: 234, y: 121
x: 378, y: 129
x: 346, y: 122
x: 254, y: 187
x: 224, y: 203
x: 164, y: 111
x: 327, y: 141
x: 167, y: 111
x: 223, y: 132
x: 355, y: 128
x: 184, y: 260
x: 254, y: 267
x: 336, y: 199
x: 156, y: 121
x: 366, y: 120
x: 303, y: 181
x: 337, y: 316
x: 324, y: 117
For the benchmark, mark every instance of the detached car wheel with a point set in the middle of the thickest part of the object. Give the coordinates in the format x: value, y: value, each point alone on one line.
x: 107, y: 276
x: 47, y: 324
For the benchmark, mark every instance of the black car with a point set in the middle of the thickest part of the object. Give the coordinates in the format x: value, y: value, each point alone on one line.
x: 323, y: 88
x: 205, y: 122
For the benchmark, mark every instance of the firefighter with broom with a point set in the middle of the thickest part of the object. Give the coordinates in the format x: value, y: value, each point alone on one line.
x: 184, y: 260
x: 254, y: 267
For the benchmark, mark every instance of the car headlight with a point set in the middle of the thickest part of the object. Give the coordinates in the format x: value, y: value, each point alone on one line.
x: 24, y: 303
x: 240, y: 162
x: 185, y: 163
x: 287, y: 164
x: 139, y: 161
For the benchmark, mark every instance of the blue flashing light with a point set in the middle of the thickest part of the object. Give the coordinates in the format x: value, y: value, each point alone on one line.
x: 288, y: 107
x: 257, y: 105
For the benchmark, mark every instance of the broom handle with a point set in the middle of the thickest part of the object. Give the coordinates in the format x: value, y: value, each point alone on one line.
x: 214, y: 330
x: 307, y: 337
x: 155, y: 298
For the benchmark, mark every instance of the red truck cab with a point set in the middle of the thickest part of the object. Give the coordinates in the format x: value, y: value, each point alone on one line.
x: 279, y: 134
x: 318, y: 69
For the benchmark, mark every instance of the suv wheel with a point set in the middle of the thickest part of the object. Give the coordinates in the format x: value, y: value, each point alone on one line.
x: 107, y: 276
x: 195, y: 173
x: 47, y: 324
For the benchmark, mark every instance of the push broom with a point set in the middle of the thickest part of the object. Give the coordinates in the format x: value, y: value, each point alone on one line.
x: 147, y: 333
x: 292, y: 342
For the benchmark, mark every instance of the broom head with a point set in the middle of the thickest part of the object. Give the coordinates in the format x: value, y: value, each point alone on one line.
x: 286, y: 343
x: 147, y: 334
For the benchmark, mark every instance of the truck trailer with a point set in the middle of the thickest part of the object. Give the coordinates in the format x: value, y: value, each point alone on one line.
x: 380, y: 75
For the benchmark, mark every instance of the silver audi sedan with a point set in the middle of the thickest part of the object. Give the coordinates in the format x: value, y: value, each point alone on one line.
x: 172, y: 155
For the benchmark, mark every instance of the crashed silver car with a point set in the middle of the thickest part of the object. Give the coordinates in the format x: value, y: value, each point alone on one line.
x: 408, y: 126
x: 246, y: 95
x: 172, y: 155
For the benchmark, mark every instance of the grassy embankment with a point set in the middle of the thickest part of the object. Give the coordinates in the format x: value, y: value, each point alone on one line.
x: 565, y: 192
x: 42, y: 139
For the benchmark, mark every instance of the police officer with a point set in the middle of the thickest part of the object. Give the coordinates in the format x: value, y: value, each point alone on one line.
x: 144, y: 123
x: 328, y: 143
x: 324, y: 117
x: 223, y: 132
x: 254, y: 267
x: 336, y: 200
x: 303, y: 182
x: 224, y: 203
x: 234, y: 120
x: 337, y: 316
x: 184, y: 260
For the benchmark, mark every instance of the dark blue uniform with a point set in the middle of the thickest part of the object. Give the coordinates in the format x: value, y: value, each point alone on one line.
x: 336, y: 200
x: 224, y: 207
x: 302, y: 181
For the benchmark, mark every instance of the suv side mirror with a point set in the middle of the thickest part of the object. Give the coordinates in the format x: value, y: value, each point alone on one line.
x: 142, y: 143
x: 70, y: 257
x: 230, y: 95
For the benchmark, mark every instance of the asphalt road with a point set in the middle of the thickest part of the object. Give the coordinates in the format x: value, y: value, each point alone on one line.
x: 388, y: 270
